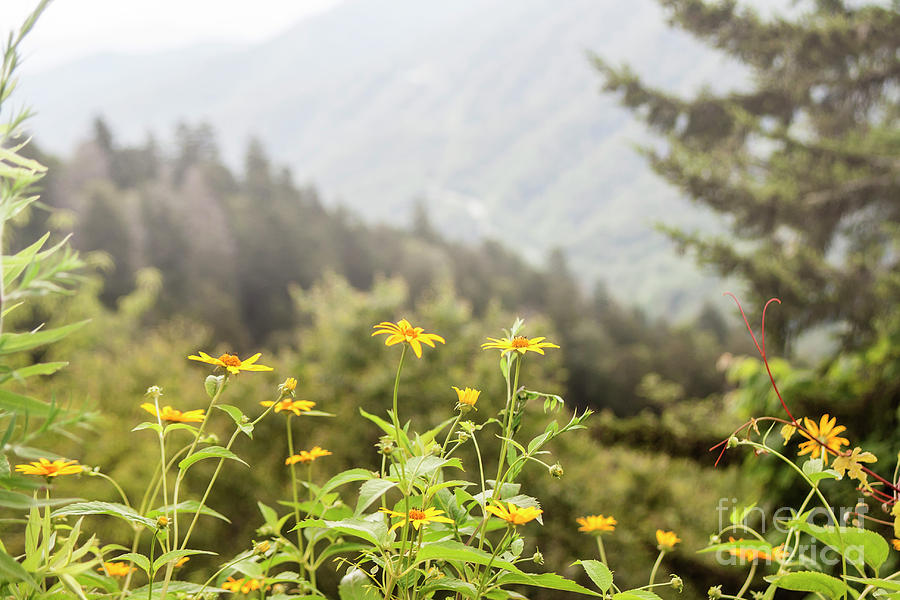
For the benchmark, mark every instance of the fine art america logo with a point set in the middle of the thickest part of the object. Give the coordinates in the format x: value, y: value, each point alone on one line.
x: 810, y: 537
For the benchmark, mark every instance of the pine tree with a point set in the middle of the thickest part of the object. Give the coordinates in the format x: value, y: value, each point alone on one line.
x: 804, y: 165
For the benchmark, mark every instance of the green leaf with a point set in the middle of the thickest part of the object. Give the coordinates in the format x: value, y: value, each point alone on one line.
x: 545, y: 580
x: 370, y: 491
x: 885, y: 584
x: 859, y: 546
x: 11, y: 570
x: 139, y: 560
x: 636, y: 595
x: 17, y: 342
x: 148, y: 425
x: 175, y: 555
x: 598, y: 572
x: 36, y: 369
x: 22, y: 405
x: 448, y: 583
x: 15, y: 500
x: 809, y: 581
x: 212, y: 384
x: 238, y: 417
x: 345, y: 477
x: 356, y: 585
x: 815, y: 469
x: 175, y: 588
x: 104, y: 508
x: 375, y: 532
x: 209, y: 452
x: 190, y: 506
x: 452, y: 550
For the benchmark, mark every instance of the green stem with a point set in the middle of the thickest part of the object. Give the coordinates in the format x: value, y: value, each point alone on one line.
x: 655, y: 565
x: 747, y: 581
x: 290, y: 437
x: 487, y: 568
x: 603, y: 554
x: 394, y: 414
x: 162, y: 462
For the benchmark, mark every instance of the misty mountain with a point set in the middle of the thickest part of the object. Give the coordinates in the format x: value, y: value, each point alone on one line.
x: 488, y: 111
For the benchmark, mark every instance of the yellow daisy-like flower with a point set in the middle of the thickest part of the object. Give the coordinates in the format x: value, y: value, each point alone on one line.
x: 116, y: 569
x: 307, y: 456
x: 666, y: 539
x: 295, y: 406
x: 518, y: 344
x: 167, y: 413
x: 231, y: 362
x: 402, y: 331
x: 596, y: 523
x: 243, y: 585
x: 896, y: 544
x: 821, y: 437
x: 50, y: 469
x: 418, y: 517
x: 467, y: 396
x: 514, y: 515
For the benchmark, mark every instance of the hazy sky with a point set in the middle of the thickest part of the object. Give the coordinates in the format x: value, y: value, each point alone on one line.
x: 73, y: 28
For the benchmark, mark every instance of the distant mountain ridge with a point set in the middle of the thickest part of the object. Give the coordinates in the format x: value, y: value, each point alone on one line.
x: 487, y: 110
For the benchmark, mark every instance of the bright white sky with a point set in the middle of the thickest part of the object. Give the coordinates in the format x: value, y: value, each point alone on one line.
x: 70, y: 29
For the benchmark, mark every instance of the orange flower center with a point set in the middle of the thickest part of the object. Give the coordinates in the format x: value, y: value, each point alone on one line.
x: 408, y: 332
x: 230, y: 360
x: 416, y: 515
x: 520, y: 342
x: 50, y: 469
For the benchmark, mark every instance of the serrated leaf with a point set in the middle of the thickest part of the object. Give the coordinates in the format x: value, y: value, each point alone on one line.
x: 452, y: 550
x: 636, y: 595
x: 598, y: 572
x: 210, y: 452
x: 859, y: 546
x: 238, y: 417
x: 104, y: 508
x: 139, y: 560
x: 11, y: 570
x: 545, y: 580
x: 356, y: 585
x: 809, y: 581
x: 17, y: 342
x: 370, y: 491
x: 175, y: 555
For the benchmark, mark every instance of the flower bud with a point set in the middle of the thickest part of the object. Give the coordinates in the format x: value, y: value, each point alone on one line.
x: 715, y: 592
x: 154, y: 391
x: 537, y: 558
x: 162, y: 522
x: 676, y: 583
x: 556, y: 471
x: 262, y: 547
x: 732, y: 443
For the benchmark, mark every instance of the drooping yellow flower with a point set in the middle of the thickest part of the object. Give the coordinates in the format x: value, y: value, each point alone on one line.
x: 50, y: 469
x: 418, y: 517
x: 244, y: 585
x: 596, y: 523
x: 853, y: 467
x: 666, y: 539
x: 167, y: 413
x: 822, y: 436
x: 116, y: 569
x: 468, y: 396
x: 896, y: 544
x: 402, y: 331
x: 295, y: 406
x: 752, y: 554
x: 514, y: 515
x: 518, y: 344
x: 181, y: 561
x: 307, y: 456
x: 231, y: 362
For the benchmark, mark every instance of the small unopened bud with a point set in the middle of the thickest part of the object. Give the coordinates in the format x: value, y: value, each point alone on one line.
x: 211, y: 438
x: 556, y: 471
x: 715, y: 592
x: 676, y: 583
x: 287, y: 388
x: 537, y: 558
x: 715, y: 539
x: 262, y: 547
x: 154, y: 391
x: 162, y: 522
x: 732, y: 443
x: 757, y: 595
x: 385, y: 445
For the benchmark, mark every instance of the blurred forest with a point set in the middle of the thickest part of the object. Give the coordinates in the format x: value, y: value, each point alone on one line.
x: 190, y: 254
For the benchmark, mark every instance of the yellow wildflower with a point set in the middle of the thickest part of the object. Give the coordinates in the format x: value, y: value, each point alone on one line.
x: 307, y: 456
x: 752, y: 554
x: 289, y: 385
x: 514, y: 515
x: 402, y: 331
x: 243, y: 585
x: 231, y: 362
x: 666, y: 539
x: 181, y: 561
x: 418, y: 517
x: 288, y: 405
x: 167, y: 413
x: 851, y: 465
x: 50, y: 469
x: 896, y: 544
x: 116, y: 569
x: 821, y: 437
x: 518, y: 344
x: 596, y: 523
x: 787, y: 432
x: 467, y: 397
